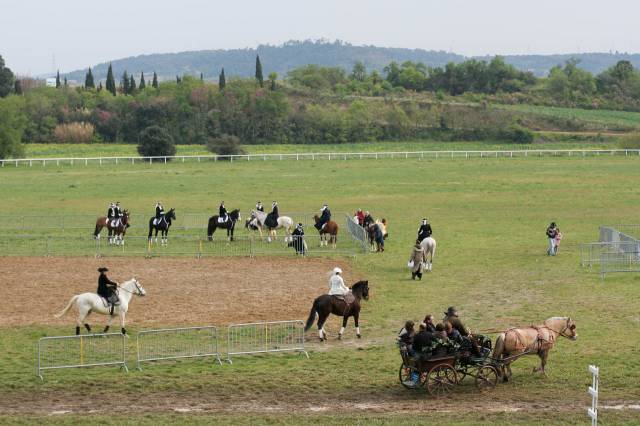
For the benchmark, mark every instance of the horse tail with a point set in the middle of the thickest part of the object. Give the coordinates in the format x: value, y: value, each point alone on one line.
x: 151, y: 227
x: 312, y: 316
x: 97, y: 230
x: 64, y: 311
x: 211, y: 227
x: 433, y: 250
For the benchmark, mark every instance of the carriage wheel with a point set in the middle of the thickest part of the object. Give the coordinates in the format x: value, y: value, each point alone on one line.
x: 441, y: 380
x: 486, y: 378
x: 405, y: 376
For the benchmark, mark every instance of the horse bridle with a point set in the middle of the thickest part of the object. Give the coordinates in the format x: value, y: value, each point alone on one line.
x: 561, y: 333
x: 138, y: 291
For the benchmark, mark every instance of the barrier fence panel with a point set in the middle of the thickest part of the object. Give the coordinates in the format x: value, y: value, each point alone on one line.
x: 357, y: 233
x: 81, y: 351
x: 265, y: 337
x: 176, y: 343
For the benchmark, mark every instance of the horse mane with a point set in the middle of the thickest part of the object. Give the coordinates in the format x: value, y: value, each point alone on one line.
x: 359, y: 284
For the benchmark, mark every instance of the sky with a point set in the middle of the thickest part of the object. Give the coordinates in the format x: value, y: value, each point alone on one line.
x: 41, y: 36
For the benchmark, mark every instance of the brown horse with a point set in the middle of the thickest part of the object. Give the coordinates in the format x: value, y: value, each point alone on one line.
x: 117, y: 232
x: 538, y: 340
x: 325, y: 305
x: 330, y: 229
x: 377, y: 233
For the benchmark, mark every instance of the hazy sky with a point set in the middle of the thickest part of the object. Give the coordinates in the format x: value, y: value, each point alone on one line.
x: 81, y: 33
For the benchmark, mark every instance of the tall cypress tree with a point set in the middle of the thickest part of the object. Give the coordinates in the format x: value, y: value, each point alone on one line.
x: 111, y: 82
x: 259, y: 77
x: 201, y: 77
x: 222, y: 81
x: 65, y: 82
x: 88, y: 80
x: 58, y: 79
x: 143, y: 84
x: 99, y: 86
x: 132, y: 85
x: 154, y: 82
x: 125, y: 83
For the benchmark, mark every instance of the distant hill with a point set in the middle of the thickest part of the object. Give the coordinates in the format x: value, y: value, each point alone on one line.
x: 293, y: 54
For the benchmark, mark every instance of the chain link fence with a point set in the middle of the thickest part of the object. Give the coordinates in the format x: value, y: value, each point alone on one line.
x: 616, y: 251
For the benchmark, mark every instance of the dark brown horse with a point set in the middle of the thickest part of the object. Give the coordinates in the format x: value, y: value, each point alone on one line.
x: 117, y: 232
x: 229, y: 225
x: 325, y: 305
x: 330, y: 229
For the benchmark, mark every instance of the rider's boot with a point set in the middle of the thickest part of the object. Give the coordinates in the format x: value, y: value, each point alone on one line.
x: 88, y: 327
x: 106, y: 329
x: 124, y: 331
x: 77, y: 330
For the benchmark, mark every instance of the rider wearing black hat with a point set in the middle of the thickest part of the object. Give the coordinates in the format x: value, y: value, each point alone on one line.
x: 424, y: 231
x: 107, y: 288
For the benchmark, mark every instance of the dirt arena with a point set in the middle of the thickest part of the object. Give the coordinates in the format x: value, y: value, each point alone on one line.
x: 179, y: 291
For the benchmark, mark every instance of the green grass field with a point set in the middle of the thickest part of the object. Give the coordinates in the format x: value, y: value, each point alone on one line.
x: 605, y: 119
x: 489, y: 217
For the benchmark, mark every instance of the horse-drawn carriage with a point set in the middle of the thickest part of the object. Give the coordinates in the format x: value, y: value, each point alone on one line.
x: 444, y: 366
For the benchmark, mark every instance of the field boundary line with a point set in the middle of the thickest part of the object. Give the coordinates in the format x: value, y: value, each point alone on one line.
x: 313, y: 156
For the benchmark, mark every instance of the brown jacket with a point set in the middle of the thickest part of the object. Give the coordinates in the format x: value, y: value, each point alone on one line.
x: 418, y: 256
x: 457, y: 324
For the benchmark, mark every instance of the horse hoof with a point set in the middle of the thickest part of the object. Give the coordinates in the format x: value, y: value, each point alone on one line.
x: 359, y: 336
x: 339, y: 336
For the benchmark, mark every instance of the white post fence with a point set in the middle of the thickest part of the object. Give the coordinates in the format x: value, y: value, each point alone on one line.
x: 265, y: 337
x: 81, y: 351
x: 593, y: 391
x: 177, y: 343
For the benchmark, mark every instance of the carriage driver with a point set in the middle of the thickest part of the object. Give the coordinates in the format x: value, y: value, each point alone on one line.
x: 324, y: 217
x: 424, y: 231
x: 451, y: 317
x: 222, y: 213
x: 159, y: 212
x: 108, y: 289
x: 111, y: 212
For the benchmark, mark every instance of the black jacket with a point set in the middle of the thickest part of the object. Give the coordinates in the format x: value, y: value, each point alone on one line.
x: 424, y: 232
x: 222, y: 211
x: 274, y: 212
x: 118, y: 211
x: 551, y: 232
x: 326, y: 216
x: 105, y: 286
x: 368, y: 220
x: 159, y: 211
x: 111, y: 212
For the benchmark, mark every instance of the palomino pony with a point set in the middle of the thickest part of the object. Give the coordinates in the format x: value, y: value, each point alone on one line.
x: 330, y: 229
x: 229, y: 225
x: 377, y: 233
x: 429, y: 246
x: 535, y: 339
x: 163, y: 225
x: 88, y: 303
x: 325, y: 305
x: 284, y: 222
x: 117, y: 232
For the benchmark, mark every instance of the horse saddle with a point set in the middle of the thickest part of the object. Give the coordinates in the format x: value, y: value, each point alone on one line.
x: 223, y: 219
x: 348, y: 298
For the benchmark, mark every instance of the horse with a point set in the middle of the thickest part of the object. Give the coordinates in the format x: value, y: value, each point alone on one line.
x: 284, y: 222
x: 116, y: 233
x: 325, y: 305
x: 377, y: 233
x: 331, y: 229
x: 88, y: 303
x: 531, y: 340
x: 163, y: 225
x: 429, y: 246
x: 229, y: 225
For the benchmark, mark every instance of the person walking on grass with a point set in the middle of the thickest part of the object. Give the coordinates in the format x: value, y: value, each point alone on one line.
x: 552, y: 231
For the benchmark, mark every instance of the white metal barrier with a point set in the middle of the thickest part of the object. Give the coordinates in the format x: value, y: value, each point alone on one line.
x: 522, y: 153
x: 176, y: 343
x: 81, y: 351
x: 265, y: 337
x: 593, y: 391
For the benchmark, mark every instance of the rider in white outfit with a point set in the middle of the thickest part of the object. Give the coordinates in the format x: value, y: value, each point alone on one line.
x: 337, y: 287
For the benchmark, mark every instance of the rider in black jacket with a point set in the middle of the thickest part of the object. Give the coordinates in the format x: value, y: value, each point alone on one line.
x: 107, y: 288
x: 424, y: 231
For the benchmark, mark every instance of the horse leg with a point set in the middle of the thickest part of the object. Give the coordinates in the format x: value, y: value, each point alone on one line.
x: 86, y: 325
x: 109, y: 320
x: 344, y: 324
x: 124, y: 331
x: 82, y: 314
x: 321, y: 333
x: 543, y: 361
x: 356, y: 317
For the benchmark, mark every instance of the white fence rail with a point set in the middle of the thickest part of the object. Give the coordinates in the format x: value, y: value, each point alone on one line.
x: 81, y: 351
x: 522, y: 153
x: 177, y: 343
x: 265, y: 337
x: 593, y: 391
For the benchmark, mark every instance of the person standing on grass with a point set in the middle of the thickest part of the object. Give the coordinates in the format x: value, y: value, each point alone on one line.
x: 552, y: 231
x: 418, y: 257
x: 557, y: 240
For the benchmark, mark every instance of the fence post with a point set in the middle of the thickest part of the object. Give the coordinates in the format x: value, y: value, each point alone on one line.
x: 593, y: 391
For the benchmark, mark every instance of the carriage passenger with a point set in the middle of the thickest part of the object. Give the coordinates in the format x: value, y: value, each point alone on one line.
x: 423, y: 340
x: 429, y: 324
x: 452, y: 333
x: 107, y: 288
x: 406, y: 335
x: 441, y: 332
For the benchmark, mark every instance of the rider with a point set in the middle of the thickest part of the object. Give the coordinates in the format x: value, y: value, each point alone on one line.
x: 336, y: 284
x: 159, y: 212
x: 107, y: 289
x: 222, y: 215
x: 119, y: 214
x: 424, y: 231
x: 272, y: 218
x: 324, y: 217
x: 368, y: 220
x: 111, y: 212
x: 298, y: 239
x: 260, y: 207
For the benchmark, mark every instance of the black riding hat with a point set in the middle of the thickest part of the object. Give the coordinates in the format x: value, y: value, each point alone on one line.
x: 103, y: 269
x: 451, y: 311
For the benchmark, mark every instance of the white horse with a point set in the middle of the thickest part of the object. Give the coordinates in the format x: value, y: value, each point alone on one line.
x: 429, y: 246
x: 284, y: 222
x: 88, y: 303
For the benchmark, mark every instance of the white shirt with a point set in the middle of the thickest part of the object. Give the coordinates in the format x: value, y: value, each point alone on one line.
x: 336, y: 285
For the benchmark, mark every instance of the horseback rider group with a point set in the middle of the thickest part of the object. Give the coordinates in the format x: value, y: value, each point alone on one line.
x: 108, y: 289
x: 325, y: 217
x: 114, y: 214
